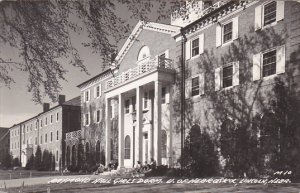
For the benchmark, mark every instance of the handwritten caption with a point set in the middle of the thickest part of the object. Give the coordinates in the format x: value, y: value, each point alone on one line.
x: 169, y: 181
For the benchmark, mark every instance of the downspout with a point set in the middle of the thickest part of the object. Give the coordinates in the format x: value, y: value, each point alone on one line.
x: 182, y: 109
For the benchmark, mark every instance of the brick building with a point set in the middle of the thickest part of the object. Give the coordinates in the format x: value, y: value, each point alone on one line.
x: 216, y: 63
x: 47, y: 130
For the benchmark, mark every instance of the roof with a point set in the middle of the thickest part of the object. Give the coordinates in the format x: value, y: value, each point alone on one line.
x: 73, y: 102
x: 95, y: 77
x: 158, y: 27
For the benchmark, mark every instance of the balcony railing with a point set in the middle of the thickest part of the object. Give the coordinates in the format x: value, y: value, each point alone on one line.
x: 74, y: 135
x: 144, y: 68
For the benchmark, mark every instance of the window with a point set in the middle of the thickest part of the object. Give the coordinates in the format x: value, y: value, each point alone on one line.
x: 162, y: 60
x: 57, y: 114
x: 51, y: 135
x: 163, y: 143
x: 98, y: 116
x: 27, y: 129
x: 51, y: 119
x: 41, y: 140
x: 163, y: 95
x: 97, y: 91
x: 57, y: 155
x: 31, y: 127
x: 269, y: 63
x: 133, y: 103
x: 227, y: 32
x: 86, y: 96
x: 270, y: 13
x: 127, y: 147
x: 41, y: 123
x: 227, y: 76
x: 195, y: 86
x: 87, y: 119
x: 145, y: 100
x: 57, y: 135
x: 195, y: 47
x: 127, y: 104
x: 46, y: 120
x: 46, y: 138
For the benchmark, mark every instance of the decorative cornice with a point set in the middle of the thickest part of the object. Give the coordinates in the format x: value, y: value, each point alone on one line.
x: 219, y: 15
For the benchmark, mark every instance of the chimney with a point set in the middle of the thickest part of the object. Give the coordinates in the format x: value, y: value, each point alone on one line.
x: 61, y: 99
x: 46, y: 107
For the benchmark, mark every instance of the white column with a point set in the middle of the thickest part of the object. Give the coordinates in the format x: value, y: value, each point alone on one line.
x: 169, y: 139
x: 121, y: 131
x: 157, y: 122
x: 139, y: 125
x: 107, y: 131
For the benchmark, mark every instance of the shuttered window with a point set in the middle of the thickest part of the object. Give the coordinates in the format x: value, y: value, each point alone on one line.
x: 270, y: 13
x: 227, y: 76
x: 269, y: 63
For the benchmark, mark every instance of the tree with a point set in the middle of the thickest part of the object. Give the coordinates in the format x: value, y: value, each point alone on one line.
x: 38, y: 158
x: 46, y: 160
x: 41, y: 34
x: 200, y: 157
x: 284, y: 127
x: 8, y: 160
x: 30, y: 163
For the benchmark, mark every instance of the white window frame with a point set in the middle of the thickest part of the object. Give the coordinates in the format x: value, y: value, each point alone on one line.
x: 192, y: 78
x: 125, y: 107
x: 259, y: 15
x: 51, y: 119
x: 219, y: 76
x: 257, y: 68
x: 97, y: 95
x: 87, y: 119
x: 57, y: 116
x: 87, y: 96
x: 189, y: 49
x: 220, y: 32
x: 146, y: 100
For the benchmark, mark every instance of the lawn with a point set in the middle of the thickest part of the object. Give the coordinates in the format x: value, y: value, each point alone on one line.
x: 17, y: 174
x: 165, y: 188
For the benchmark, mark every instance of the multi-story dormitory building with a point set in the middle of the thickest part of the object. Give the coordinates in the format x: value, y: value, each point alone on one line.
x: 214, y: 63
x: 47, y: 129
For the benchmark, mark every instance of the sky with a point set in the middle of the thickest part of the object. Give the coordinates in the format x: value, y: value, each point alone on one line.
x: 16, y: 103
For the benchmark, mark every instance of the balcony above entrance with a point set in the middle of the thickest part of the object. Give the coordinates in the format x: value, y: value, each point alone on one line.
x: 140, y: 71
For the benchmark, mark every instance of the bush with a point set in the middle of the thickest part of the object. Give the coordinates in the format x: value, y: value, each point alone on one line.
x: 199, y: 156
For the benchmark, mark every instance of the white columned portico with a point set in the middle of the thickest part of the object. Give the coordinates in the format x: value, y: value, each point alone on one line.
x: 157, y: 122
x: 139, y: 125
x: 121, y: 131
x: 107, y: 131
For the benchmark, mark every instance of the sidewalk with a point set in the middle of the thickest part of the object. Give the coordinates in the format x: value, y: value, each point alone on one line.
x: 38, y: 180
